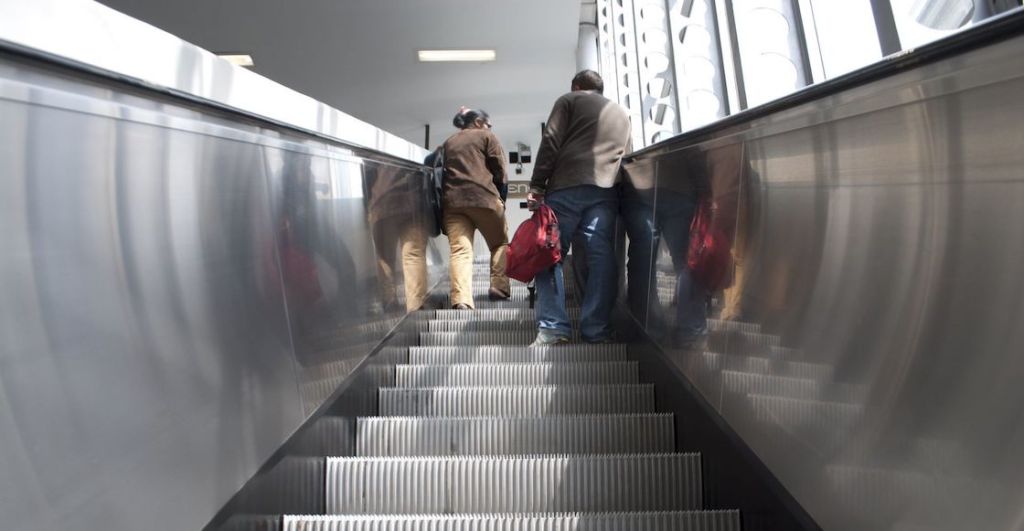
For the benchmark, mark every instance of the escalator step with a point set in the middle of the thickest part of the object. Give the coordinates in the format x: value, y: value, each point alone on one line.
x: 649, y: 521
x: 462, y: 485
x: 454, y: 339
x: 494, y: 314
x: 521, y: 325
x: 516, y: 354
x: 516, y: 374
x: 517, y: 401
x: 584, y: 434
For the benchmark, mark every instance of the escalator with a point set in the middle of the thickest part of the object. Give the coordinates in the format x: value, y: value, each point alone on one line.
x: 203, y: 320
x: 481, y: 431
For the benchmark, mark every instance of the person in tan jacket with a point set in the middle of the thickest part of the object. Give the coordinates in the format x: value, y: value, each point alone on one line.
x: 473, y: 199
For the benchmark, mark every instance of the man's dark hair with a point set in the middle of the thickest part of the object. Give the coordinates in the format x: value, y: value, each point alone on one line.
x: 588, y: 80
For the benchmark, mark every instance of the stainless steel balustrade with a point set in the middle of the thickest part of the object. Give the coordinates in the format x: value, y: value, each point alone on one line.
x: 181, y: 287
x: 879, y: 237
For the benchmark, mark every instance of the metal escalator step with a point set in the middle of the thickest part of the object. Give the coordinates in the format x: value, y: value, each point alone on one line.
x: 481, y: 302
x: 495, y: 314
x: 638, y: 521
x: 581, y: 434
x: 454, y: 339
x: 516, y: 374
x: 461, y: 485
x: 482, y: 326
x: 516, y: 354
x: 516, y: 401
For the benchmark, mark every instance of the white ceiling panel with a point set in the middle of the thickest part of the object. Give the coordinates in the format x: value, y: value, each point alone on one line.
x: 360, y: 55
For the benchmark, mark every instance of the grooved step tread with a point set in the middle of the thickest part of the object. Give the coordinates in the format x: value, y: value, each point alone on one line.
x: 516, y: 401
x: 454, y: 339
x: 461, y: 485
x: 581, y: 434
x: 639, y: 521
x: 514, y: 374
x: 516, y: 354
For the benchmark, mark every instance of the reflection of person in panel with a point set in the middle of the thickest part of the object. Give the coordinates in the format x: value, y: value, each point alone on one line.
x: 731, y: 178
x: 657, y: 219
x: 395, y: 203
x: 661, y: 219
x: 475, y: 188
x: 294, y: 267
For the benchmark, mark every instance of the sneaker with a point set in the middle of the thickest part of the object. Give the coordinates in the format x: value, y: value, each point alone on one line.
x: 602, y: 341
x: 546, y: 339
x: 496, y: 294
x: 461, y: 306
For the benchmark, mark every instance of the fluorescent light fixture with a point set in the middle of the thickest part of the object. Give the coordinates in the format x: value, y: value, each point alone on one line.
x: 237, y: 59
x: 435, y: 56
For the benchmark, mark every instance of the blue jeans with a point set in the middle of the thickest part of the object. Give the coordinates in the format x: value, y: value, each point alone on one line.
x: 648, y: 225
x: 592, y: 211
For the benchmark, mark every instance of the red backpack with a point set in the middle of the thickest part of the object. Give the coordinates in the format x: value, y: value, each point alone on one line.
x: 535, y: 246
x: 710, y: 255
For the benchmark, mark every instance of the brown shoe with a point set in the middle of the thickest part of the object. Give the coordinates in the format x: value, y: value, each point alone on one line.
x: 461, y: 306
x: 496, y: 294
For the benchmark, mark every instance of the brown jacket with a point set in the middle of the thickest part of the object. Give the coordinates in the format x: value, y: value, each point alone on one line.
x: 474, y: 170
x: 583, y: 143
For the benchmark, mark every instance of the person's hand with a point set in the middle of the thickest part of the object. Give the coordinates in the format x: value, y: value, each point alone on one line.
x: 533, y: 201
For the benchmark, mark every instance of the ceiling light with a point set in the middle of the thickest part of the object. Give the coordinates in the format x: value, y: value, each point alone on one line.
x: 237, y: 59
x: 434, y: 56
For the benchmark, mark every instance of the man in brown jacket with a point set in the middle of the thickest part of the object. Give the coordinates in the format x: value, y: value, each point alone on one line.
x: 576, y: 172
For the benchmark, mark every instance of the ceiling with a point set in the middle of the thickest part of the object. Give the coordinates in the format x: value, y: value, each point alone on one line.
x: 359, y: 56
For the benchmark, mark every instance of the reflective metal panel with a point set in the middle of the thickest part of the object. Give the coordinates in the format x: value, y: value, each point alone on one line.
x: 95, y: 35
x: 868, y: 345
x: 180, y: 288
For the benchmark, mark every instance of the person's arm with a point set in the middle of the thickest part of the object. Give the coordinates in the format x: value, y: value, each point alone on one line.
x: 550, y: 144
x: 495, y: 160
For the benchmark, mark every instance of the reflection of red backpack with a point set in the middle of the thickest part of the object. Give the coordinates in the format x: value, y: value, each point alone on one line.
x: 709, y: 256
x: 296, y: 269
x: 535, y: 246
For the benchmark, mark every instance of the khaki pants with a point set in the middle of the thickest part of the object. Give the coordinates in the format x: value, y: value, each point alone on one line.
x: 460, y: 225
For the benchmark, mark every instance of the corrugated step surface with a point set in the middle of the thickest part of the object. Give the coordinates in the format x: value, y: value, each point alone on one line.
x: 495, y: 314
x: 583, y: 434
x: 490, y: 485
x: 516, y: 401
x: 517, y: 374
x: 481, y: 326
x: 649, y: 521
x: 516, y: 354
x: 454, y: 339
